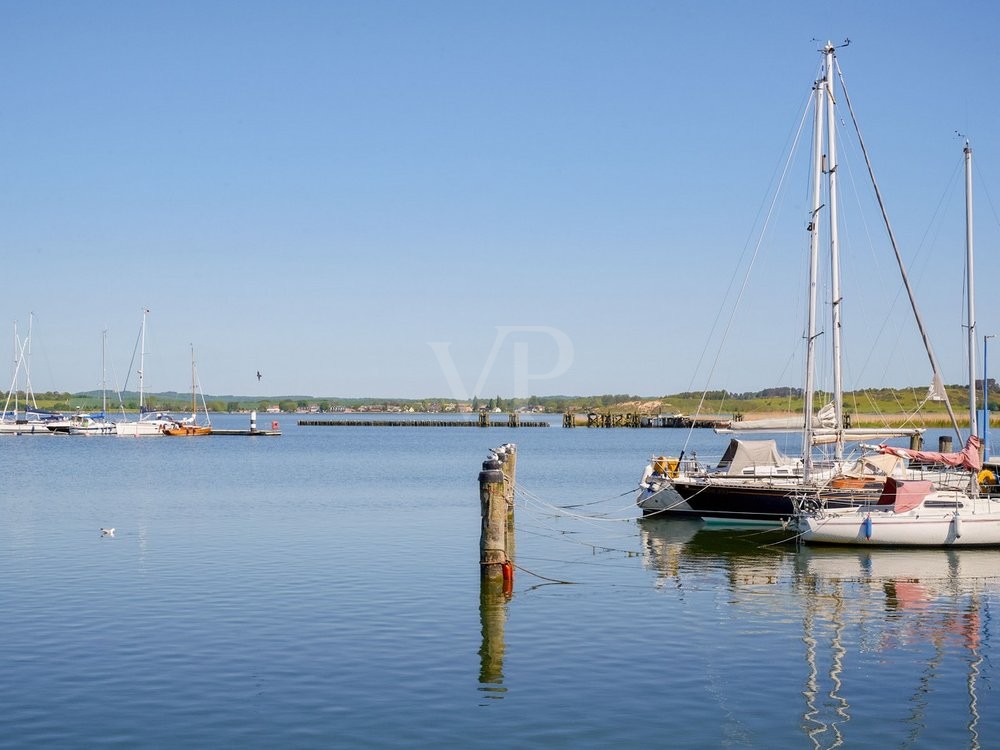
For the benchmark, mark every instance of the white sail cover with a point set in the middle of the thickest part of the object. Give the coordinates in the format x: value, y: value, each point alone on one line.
x: 748, y: 454
x: 825, y: 418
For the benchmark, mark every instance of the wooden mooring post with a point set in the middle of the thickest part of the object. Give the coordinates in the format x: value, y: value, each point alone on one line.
x: 496, y: 554
x: 496, y: 501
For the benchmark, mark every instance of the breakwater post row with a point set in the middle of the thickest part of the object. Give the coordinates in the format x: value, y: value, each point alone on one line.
x: 513, y: 420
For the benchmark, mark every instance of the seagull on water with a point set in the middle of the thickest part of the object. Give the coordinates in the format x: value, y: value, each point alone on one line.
x: 108, y: 532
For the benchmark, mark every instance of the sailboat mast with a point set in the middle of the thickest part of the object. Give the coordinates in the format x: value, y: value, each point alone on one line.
x: 142, y: 359
x: 973, y: 430
x: 104, y: 374
x: 831, y: 171
x: 28, y: 392
x: 807, y: 438
x: 194, y: 402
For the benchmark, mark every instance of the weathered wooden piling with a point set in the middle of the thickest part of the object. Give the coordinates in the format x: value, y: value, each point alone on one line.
x: 493, y: 508
x: 944, y: 443
x: 496, y: 555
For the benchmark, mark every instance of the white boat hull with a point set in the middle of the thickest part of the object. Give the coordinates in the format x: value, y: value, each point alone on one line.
x: 24, y: 428
x: 146, y: 428
x: 82, y: 424
x: 977, y: 525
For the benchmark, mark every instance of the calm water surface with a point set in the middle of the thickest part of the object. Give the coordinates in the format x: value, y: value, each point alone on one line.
x: 322, y: 589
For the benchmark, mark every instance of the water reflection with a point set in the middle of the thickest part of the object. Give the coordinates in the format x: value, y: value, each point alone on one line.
x: 855, y: 607
x: 493, y: 599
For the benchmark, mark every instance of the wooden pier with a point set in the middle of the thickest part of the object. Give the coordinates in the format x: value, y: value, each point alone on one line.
x: 607, y: 420
x: 513, y: 420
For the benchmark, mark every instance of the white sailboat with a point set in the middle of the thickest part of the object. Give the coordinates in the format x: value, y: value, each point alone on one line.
x: 148, y: 424
x: 29, y: 419
x: 89, y: 424
x: 753, y: 482
x: 935, y: 513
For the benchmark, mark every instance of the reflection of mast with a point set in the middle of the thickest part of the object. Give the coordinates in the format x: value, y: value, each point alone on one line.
x: 839, y: 704
x: 974, y: 664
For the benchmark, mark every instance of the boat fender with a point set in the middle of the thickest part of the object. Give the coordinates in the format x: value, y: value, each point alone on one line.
x: 646, y: 474
x: 867, y: 526
x: 957, y: 520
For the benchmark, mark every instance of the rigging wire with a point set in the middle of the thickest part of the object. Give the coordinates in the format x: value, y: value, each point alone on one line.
x: 746, y: 277
x: 899, y: 258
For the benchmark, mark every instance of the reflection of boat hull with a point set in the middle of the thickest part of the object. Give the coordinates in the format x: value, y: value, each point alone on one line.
x: 939, y: 567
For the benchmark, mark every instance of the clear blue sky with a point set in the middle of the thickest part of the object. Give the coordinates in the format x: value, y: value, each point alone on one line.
x: 330, y: 192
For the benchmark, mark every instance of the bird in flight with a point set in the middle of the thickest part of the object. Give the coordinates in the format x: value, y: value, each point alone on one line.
x: 258, y: 376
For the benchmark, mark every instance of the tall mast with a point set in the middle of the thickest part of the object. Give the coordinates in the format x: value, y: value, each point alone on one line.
x: 970, y: 266
x: 194, y: 403
x: 819, y: 97
x: 142, y: 358
x: 104, y: 375
x: 831, y: 171
x: 28, y: 392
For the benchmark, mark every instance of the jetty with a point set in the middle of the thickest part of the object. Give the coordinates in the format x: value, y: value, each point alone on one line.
x: 513, y: 420
x: 607, y: 420
x: 275, y: 430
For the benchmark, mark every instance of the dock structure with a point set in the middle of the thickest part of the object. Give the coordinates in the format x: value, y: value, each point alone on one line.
x: 607, y: 420
x: 275, y: 430
x: 513, y: 420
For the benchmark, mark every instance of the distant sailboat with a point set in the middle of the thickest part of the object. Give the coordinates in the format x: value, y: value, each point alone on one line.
x: 190, y: 427
x: 147, y: 425
x: 90, y: 424
x: 29, y: 420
